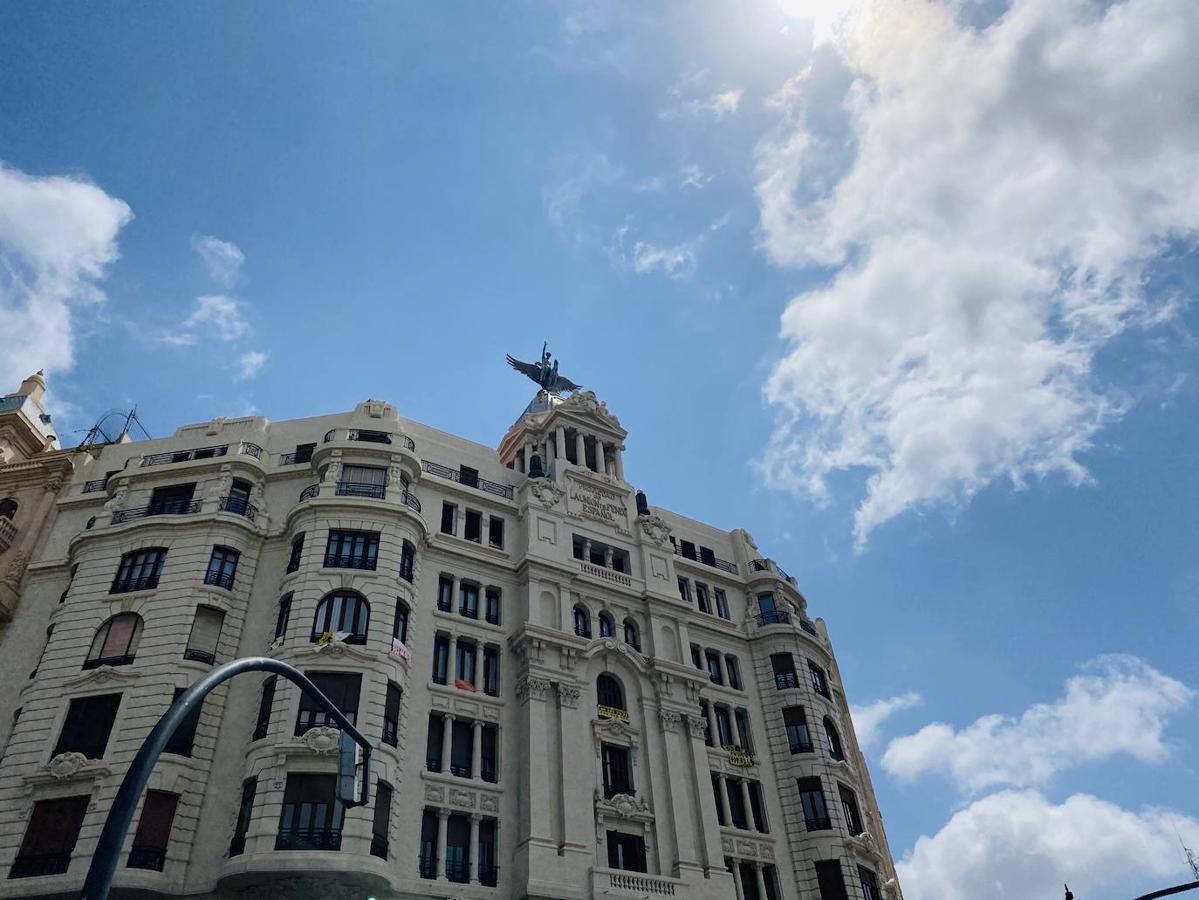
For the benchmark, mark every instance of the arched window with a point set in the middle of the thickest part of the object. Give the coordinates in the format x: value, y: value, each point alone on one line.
x: 631, y: 636
x: 607, y: 626
x: 608, y: 692
x: 407, y: 561
x: 399, y: 631
x: 832, y: 739
x: 115, y: 643
x: 582, y: 622
x: 8, y: 508
x: 345, y: 612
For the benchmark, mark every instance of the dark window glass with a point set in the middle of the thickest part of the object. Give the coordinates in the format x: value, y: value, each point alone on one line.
x: 449, y: 518
x: 771, y: 876
x: 222, y: 567
x: 830, y: 880
x: 311, y: 817
x: 457, y: 849
x: 441, y: 653
x: 115, y: 643
x: 428, y: 844
x: 811, y: 797
x: 184, y: 738
x: 796, y: 724
x: 756, y: 808
x: 869, y: 882
x: 618, y: 771
x: 297, y: 551
x: 407, y: 561
x: 342, y: 613
x: 712, y: 663
x: 153, y: 834
x: 832, y: 740
x: 50, y: 837
x: 492, y: 612
x: 433, y: 742
x: 687, y: 549
x: 783, y: 665
x: 381, y: 821
x: 631, y: 637
x: 342, y: 689
x: 707, y: 556
x: 722, y: 603
x: 468, y: 600
x: 445, y: 593
x: 495, y: 531
x: 283, y: 617
x: 626, y: 852
x: 489, y: 740
x: 724, y: 727
x: 488, y: 873
x: 265, y: 704
x: 352, y: 550
x: 171, y: 500
x: 391, y: 715
x: 468, y: 476
x: 819, y: 681
x: 462, y: 746
x: 87, y: 725
x: 245, y: 811
x: 139, y: 570
x: 582, y: 622
x: 769, y: 612
x: 303, y: 452
x: 706, y: 712
x: 607, y: 628
x: 491, y: 671
x: 399, y: 628
x: 701, y: 598
x: 743, y: 735
x: 718, y: 795
x: 697, y: 656
x: 465, y: 657
x: 685, y: 590
x: 473, y: 527
x: 849, y: 806
x: 737, y: 811
x: 609, y: 692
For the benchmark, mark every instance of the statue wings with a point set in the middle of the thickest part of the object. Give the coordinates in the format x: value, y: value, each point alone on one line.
x: 563, y: 384
x: 543, y: 375
x: 533, y: 370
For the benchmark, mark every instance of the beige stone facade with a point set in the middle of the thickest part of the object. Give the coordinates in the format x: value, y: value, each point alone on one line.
x: 573, y: 694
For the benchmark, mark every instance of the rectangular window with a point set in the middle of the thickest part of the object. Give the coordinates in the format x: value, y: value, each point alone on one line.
x: 245, y: 811
x: 457, y: 849
x: 830, y: 880
x: 399, y: 625
x: 756, y: 808
x: 685, y: 590
x: 265, y: 704
x: 449, y: 518
x: 184, y: 738
x: 303, y: 453
x: 139, y: 570
x: 468, y: 476
x: 734, y: 670
x: 869, y: 882
x: 705, y: 712
x: 722, y: 603
x: 493, y: 605
x: 50, y: 837
x: 712, y: 663
x: 495, y: 532
x: 783, y: 665
x: 381, y: 822
x: 488, y: 755
x: 171, y: 500
x: 737, y: 812
x: 687, y: 549
x: 796, y: 723
x: 626, y: 852
x: 445, y: 593
x: 697, y: 656
x: 153, y: 833
x: 352, y: 550
x: 701, y: 598
x: 441, y: 653
x: 618, y: 772
x: 205, y: 634
x: 428, y: 844
x: 468, y: 600
x: 769, y: 612
x: 819, y: 680
x: 743, y: 735
x: 464, y: 664
x: 849, y: 806
x: 707, y: 556
x: 362, y: 481
x: 434, y: 741
x: 283, y: 617
x: 718, y: 796
x: 391, y: 715
x: 87, y: 726
x: 473, y: 527
x: 811, y: 797
x: 342, y: 689
x: 407, y: 561
x: 222, y: 566
x: 488, y: 872
x: 297, y: 551
x: 491, y: 671
x: 724, y: 727
x: 462, y: 746
x: 311, y: 816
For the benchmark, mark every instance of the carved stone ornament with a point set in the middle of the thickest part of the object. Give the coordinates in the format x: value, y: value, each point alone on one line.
x: 697, y: 726
x: 587, y: 402
x: 546, y: 492
x: 322, y: 739
x: 462, y: 799
x: 669, y: 719
x: 568, y: 694
x: 655, y: 528
x: 489, y: 803
x: 65, y: 765
x: 531, y: 687
x: 623, y: 806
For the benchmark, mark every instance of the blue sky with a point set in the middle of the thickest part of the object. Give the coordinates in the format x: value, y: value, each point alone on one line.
x: 904, y: 289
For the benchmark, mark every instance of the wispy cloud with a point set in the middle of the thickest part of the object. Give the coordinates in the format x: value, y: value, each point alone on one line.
x: 214, y: 317
x: 576, y: 178
x: 58, y: 236
x: 716, y: 106
x: 991, y: 201
x: 868, y: 719
x: 250, y: 364
x: 692, y: 176
x: 642, y: 257
x: 1117, y: 706
x: 222, y: 259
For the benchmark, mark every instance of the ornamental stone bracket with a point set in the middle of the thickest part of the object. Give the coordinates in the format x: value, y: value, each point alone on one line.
x: 103, y: 675
x: 336, y: 650
x: 321, y: 740
x: 622, y: 809
x: 68, y: 767
x: 864, y: 847
x: 614, y: 731
x: 545, y: 491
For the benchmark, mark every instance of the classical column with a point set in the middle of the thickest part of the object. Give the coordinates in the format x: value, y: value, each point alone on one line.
x: 618, y: 461
x: 737, y: 880
x: 749, y: 813
x: 586, y: 550
x: 528, y: 454
x: 451, y: 674
x: 608, y: 557
x: 760, y: 875
x: 455, y: 594
x: 484, y: 533
x: 711, y: 726
x: 472, y: 852
x: 447, y: 740
x: 580, y: 449
x: 560, y: 442
x: 476, y: 755
x: 600, y: 465
x: 724, y: 790
x: 443, y: 824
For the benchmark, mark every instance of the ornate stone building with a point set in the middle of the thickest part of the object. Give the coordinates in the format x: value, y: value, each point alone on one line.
x: 573, y: 694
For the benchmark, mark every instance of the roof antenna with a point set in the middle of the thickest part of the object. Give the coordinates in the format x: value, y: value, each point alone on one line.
x: 1190, y: 854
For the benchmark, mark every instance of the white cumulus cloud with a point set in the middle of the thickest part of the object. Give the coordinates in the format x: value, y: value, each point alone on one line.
x: 250, y: 364
x: 58, y: 235
x: 1016, y: 845
x: 1117, y: 705
x: 990, y: 201
x: 868, y: 718
x: 222, y: 258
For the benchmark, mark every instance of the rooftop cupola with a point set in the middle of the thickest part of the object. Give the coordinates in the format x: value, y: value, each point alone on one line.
x: 34, y: 387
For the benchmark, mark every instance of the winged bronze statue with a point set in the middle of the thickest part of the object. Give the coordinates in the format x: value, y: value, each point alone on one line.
x: 544, y: 373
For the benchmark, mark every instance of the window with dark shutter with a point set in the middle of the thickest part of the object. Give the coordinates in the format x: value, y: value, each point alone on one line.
x: 342, y: 689
x: 796, y: 724
x: 265, y: 705
x: 811, y: 798
x: 381, y: 821
x: 297, y: 551
x: 618, y: 774
x: 153, y: 834
x: 626, y: 852
x: 182, y: 741
x: 245, y: 811
x: 391, y: 715
x: 830, y: 880
x: 50, y: 837
x: 87, y: 725
x: 495, y: 532
x: 205, y: 634
x: 311, y: 817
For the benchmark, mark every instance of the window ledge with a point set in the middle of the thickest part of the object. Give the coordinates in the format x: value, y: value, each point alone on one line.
x: 457, y: 781
x: 457, y: 619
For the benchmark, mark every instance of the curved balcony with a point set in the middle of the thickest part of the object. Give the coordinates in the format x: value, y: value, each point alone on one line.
x: 313, y: 490
x: 370, y: 437
x: 219, y: 579
x: 363, y: 490
x: 239, y: 506
x: 172, y: 508
x: 244, y: 448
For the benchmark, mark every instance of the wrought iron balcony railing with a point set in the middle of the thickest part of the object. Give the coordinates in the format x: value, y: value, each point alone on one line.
x: 391, y: 733
x: 428, y: 865
x: 99, y: 484
x: 349, y: 561
x: 219, y: 579
x: 818, y: 823
x: 489, y: 876
x: 308, y: 839
x: 309, y: 492
x: 360, y: 489
x: 807, y: 626
x: 433, y: 763
x: 143, y: 857
x: 785, y: 680
x: 161, y: 459
x: 169, y: 508
x: 129, y: 585
x: 239, y: 506
x: 714, y: 561
x: 457, y: 870
x: 482, y: 484
x: 204, y: 656
x: 370, y: 437
x: 773, y: 617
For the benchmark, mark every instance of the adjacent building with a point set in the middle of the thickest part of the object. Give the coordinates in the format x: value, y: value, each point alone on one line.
x: 573, y: 693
